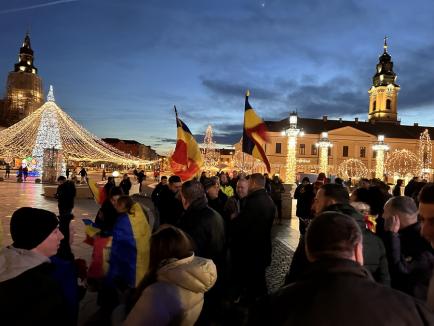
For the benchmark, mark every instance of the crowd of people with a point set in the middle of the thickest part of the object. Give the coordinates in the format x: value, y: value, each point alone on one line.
x: 196, y: 253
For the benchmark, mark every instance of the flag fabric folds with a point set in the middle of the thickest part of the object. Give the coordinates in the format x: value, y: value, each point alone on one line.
x: 186, y: 160
x: 129, y: 257
x: 254, y: 134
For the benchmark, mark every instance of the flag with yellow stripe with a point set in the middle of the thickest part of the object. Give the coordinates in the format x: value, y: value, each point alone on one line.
x: 255, y: 133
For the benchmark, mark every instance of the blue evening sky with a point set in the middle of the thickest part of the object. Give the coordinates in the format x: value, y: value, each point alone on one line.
x: 119, y: 66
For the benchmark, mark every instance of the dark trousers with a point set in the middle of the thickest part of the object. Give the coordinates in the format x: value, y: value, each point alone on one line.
x: 278, y: 204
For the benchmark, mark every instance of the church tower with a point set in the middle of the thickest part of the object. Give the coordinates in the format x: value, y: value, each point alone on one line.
x: 24, y: 93
x: 383, y: 95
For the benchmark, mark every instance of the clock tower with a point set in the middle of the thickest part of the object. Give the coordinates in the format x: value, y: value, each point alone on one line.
x: 383, y: 94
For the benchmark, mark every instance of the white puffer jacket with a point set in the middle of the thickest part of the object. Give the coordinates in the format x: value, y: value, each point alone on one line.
x: 177, y: 296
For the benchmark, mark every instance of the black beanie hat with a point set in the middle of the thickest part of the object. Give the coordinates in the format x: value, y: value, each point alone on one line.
x: 31, y: 226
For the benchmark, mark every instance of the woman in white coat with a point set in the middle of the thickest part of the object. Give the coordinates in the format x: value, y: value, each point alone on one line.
x: 172, y: 293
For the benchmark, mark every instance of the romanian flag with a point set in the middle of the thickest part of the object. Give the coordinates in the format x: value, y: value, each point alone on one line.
x: 186, y: 160
x: 129, y: 257
x: 98, y: 193
x: 254, y: 134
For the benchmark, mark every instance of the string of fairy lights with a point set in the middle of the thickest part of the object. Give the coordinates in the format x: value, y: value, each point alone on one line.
x: 352, y: 168
x: 50, y: 127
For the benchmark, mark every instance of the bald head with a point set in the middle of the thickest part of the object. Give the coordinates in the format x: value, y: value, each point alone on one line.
x: 402, y: 206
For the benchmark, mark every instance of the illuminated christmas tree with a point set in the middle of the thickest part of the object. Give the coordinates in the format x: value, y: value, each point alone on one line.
x: 210, y: 154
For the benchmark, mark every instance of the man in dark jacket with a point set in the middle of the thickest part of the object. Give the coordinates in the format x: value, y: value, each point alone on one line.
x: 65, y: 195
x: 170, y: 206
x: 29, y: 295
x: 338, y: 290
x: 333, y: 197
x: 251, y: 239
x: 206, y: 227
x: 410, y: 256
x: 304, y: 193
x: 157, y: 191
x: 202, y: 223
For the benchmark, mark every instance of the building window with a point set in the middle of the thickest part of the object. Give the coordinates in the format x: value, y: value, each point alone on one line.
x: 278, y: 148
x: 362, y: 151
x: 374, y: 106
x: 374, y: 154
x: 388, y: 104
x: 302, y: 149
x: 329, y: 151
x: 313, y: 150
x: 345, y: 151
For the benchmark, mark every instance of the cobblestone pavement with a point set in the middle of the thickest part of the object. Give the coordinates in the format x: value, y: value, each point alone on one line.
x: 15, y: 195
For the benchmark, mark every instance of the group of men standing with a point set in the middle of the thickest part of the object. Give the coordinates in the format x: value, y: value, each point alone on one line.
x: 236, y: 235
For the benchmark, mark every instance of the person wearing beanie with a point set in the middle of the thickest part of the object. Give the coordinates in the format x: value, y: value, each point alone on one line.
x: 29, y: 295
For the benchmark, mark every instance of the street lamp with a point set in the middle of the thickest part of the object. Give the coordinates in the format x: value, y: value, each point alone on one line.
x: 324, y: 144
x: 380, y: 147
x: 291, y: 160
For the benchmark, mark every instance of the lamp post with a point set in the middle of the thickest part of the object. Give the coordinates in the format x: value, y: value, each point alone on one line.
x: 291, y: 160
x: 324, y: 144
x: 380, y: 148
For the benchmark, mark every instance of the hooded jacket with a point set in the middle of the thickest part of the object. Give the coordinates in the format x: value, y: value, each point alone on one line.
x: 177, y: 296
x: 29, y: 295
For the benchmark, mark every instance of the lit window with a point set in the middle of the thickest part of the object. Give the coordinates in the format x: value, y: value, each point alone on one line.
x: 313, y: 150
x: 302, y: 149
x: 22, y: 68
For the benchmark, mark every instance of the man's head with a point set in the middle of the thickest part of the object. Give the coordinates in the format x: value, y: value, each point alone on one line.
x: 37, y: 230
x: 61, y: 179
x: 256, y: 181
x: 163, y: 180
x: 125, y: 177
x: 223, y: 179
x: 404, y: 208
x: 191, y: 191
x: 334, y: 235
x: 330, y: 194
x: 212, y: 187
x: 234, y: 174
x: 242, y: 187
x: 175, y: 183
x: 364, y: 183
x: 426, y: 212
x: 124, y: 204
x: 305, y: 181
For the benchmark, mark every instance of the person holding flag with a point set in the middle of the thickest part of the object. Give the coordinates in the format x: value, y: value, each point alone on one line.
x: 186, y: 160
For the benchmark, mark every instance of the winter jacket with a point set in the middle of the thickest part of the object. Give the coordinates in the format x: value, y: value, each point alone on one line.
x: 169, y: 206
x: 206, y: 227
x: 276, y: 191
x: 340, y: 292
x: 177, y: 296
x: 65, y: 195
x: 29, y: 295
x: 374, y: 253
x: 218, y: 204
x: 305, y: 196
x: 251, y: 231
x: 125, y: 184
x: 411, y: 261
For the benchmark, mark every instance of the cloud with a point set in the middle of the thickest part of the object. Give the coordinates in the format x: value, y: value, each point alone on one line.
x: 233, y: 89
x: 41, y: 5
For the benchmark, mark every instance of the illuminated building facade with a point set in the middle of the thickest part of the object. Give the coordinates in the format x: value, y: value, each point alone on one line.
x: 353, y: 140
x: 24, y: 92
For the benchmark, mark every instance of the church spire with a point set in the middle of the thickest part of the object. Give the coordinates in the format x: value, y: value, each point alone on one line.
x: 383, y: 94
x: 25, y: 57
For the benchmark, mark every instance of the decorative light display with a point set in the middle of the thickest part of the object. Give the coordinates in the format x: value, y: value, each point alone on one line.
x: 380, y: 147
x: 244, y: 162
x: 403, y: 164
x: 324, y: 144
x: 210, y: 154
x: 291, y: 160
x: 425, y: 153
x: 352, y: 168
x: 50, y: 127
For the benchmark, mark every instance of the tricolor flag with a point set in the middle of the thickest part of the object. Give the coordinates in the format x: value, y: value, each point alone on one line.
x: 254, y: 134
x: 186, y: 160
